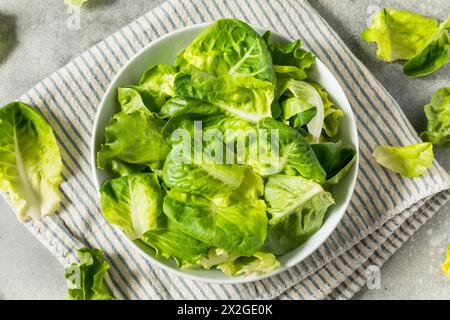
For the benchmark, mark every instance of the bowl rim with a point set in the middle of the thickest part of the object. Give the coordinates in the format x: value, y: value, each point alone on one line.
x: 177, y: 271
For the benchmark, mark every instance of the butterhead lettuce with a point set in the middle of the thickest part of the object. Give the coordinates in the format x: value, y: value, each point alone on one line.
x: 232, y: 47
x: 446, y: 265
x: 133, y: 203
x: 409, y: 161
x: 438, y: 116
x: 404, y: 35
x: 223, y: 159
x: 240, y: 227
x: 30, y: 166
x: 289, y: 60
x: 297, y: 208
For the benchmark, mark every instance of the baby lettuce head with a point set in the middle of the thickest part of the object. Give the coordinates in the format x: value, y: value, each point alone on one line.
x: 30, y: 166
x: 212, y: 156
x: 438, y: 116
x: 404, y: 35
x: 410, y: 161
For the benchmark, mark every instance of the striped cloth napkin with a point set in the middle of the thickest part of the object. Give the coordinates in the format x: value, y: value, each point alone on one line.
x: 385, y: 210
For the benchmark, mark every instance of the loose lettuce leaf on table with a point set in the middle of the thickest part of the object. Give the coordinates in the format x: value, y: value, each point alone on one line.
x: 446, y: 265
x: 247, y: 98
x: 433, y: 56
x: 30, y: 166
x: 133, y: 138
x: 240, y: 227
x: 87, y: 277
x: 399, y: 34
x: 290, y: 60
x: 133, y: 203
x: 409, y: 161
x: 159, y: 81
x: 335, y: 159
x: 404, y: 35
x: 299, y: 226
x: 170, y: 242
x: 230, y: 46
x: 438, y: 115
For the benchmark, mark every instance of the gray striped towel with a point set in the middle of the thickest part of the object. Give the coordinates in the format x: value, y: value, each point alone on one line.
x: 384, y: 212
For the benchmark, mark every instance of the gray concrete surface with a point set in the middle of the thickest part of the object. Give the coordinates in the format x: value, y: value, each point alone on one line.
x: 38, y: 42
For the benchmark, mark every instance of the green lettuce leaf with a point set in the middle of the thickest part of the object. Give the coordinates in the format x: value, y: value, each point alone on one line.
x: 335, y: 159
x: 298, y: 111
x: 247, y: 98
x: 294, y: 157
x: 438, y: 115
x: 159, y: 81
x: 404, y: 35
x: 214, y: 181
x: 235, y: 265
x: 289, y: 59
x: 298, y: 227
x: 170, y: 242
x: 216, y: 256
x: 87, y: 277
x: 121, y: 168
x: 332, y: 114
x: 285, y: 194
x: 446, y: 265
x: 240, y: 228
x: 133, y: 203
x: 135, y: 98
x: 251, y: 188
x: 75, y: 3
x: 230, y: 46
x: 400, y: 35
x: 433, y: 56
x: 259, y: 263
x: 409, y: 161
x: 307, y: 93
x: 184, y: 106
x: 133, y: 138
x: 30, y: 166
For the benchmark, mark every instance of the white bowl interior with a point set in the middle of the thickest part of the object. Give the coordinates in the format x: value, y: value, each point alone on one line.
x: 164, y: 50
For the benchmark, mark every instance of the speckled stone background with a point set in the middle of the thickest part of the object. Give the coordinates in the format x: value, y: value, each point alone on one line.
x: 35, y: 41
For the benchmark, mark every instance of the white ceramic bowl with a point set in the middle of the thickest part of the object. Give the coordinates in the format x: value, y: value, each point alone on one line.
x: 164, y: 50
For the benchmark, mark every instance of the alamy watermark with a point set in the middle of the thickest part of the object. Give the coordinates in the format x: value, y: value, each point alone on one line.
x: 373, y: 274
x: 73, y: 22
